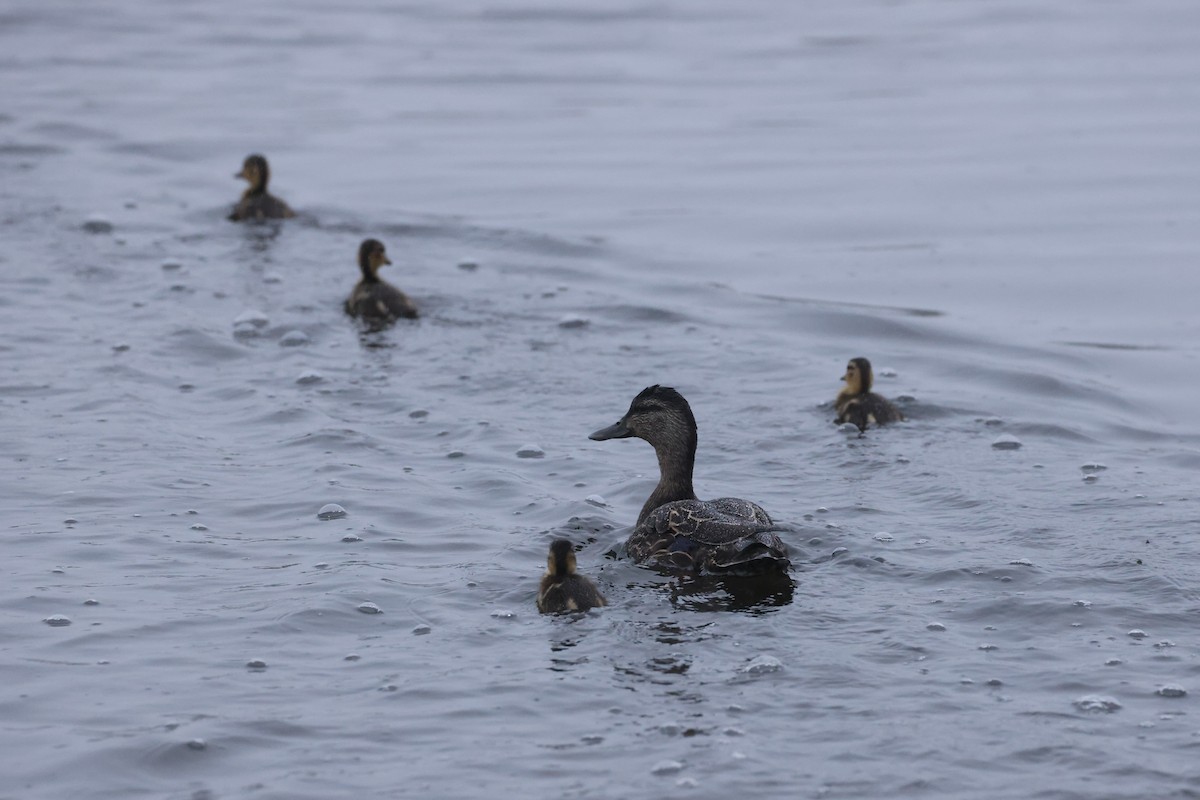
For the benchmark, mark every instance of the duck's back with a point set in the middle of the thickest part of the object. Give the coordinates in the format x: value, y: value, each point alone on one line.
x: 867, y: 409
x: 259, y: 207
x: 718, y: 536
x: 379, y: 302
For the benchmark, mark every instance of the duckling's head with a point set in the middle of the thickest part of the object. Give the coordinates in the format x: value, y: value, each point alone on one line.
x: 858, y: 377
x: 371, y: 256
x: 560, y: 562
x: 255, y: 170
x: 659, y: 415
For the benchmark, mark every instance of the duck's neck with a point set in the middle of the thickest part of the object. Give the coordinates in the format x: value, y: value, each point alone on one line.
x: 674, y: 476
x: 369, y: 275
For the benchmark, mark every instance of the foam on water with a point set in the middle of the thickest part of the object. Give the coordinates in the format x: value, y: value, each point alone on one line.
x: 728, y: 198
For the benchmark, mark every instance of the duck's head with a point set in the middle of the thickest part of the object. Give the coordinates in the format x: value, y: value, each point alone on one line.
x: 858, y: 377
x: 255, y: 170
x: 659, y: 415
x: 371, y: 256
x: 560, y: 562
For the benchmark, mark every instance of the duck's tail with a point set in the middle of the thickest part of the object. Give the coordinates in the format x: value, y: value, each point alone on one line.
x: 758, y: 554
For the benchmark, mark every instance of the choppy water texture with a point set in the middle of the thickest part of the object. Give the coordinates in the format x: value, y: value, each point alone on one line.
x: 996, y: 203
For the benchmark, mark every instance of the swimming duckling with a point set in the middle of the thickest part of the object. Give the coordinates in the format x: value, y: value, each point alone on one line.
x: 674, y: 528
x: 856, y: 402
x: 257, y: 203
x: 374, y: 300
x: 563, y: 589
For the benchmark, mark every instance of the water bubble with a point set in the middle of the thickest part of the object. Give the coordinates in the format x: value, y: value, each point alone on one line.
x: 1096, y: 703
x: 252, y: 318
x: 1006, y: 441
x: 838, y: 551
x: 733, y: 730
x: 421, y: 630
x: 884, y: 536
x: 420, y: 413
x: 309, y: 376
x: 670, y: 728
x: 294, y: 339
x: 1113, y: 662
x: 91, y: 602
x: 1137, y: 633
x: 331, y: 511
x: 1083, y: 603
x: 592, y: 739
x: 903, y: 460
x: 687, y: 783
x: 988, y: 647
x: 171, y: 265
x: 886, y: 372
x: 667, y: 767
x: 351, y: 657
x: 935, y: 626
x: 503, y: 613
x: 350, y: 538
x: 120, y: 348
x: 97, y: 223
x: 530, y: 451
x: 70, y: 521
x: 822, y: 510
x: 57, y: 621
x: 995, y: 682
x: 468, y: 264
x: 1171, y: 690
x: 595, y: 500
x: 197, y: 744
x: 256, y: 664
x: 1093, y: 466
x: 848, y: 427
x: 455, y: 454
x: 762, y: 665
x: 573, y: 321
x: 1021, y: 562
x: 1090, y: 478
x: 369, y: 608
x: 993, y: 422
x: 1164, y: 644
x: 199, y: 527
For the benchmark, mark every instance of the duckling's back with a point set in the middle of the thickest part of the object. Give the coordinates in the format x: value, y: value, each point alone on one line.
x: 569, y: 593
x: 260, y: 206
x: 866, y: 409
x: 379, y: 302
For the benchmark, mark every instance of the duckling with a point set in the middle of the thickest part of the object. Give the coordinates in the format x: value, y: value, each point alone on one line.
x: 257, y: 203
x: 374, y: 300
x: 563, y: 589
x: 856, y: 402
x: 727, y: 536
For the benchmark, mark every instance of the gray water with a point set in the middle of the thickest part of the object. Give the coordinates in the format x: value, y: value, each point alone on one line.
x: 996, y: 203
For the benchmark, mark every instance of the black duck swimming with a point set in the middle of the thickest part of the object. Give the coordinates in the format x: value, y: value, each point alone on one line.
x: 563, y: 589
x: 726, y: 536
x: 857, y: 404
x: 374, y: 300
x: 257, y: 203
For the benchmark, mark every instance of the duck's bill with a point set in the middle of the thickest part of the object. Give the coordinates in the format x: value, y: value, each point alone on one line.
x: 618, y: 431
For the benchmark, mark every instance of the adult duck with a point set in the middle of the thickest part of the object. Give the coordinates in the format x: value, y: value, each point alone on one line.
x: 675, y: 529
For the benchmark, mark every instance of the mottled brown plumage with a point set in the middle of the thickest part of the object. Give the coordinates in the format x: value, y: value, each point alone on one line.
x: 562, y: 588
x: 677, y: 530
x: 257, y: 203
x: 857, y: 404
x: 375, y: 301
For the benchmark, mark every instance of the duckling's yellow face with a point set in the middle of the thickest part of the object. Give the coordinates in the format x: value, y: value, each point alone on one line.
x: 378, y: 258
x: 853, y: 379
